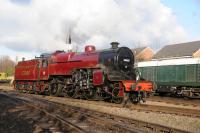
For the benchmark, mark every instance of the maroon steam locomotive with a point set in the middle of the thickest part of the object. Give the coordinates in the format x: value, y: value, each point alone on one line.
x: 103, y: 75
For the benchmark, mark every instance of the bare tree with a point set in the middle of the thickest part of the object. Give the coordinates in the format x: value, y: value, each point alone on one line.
x: 7, y: 65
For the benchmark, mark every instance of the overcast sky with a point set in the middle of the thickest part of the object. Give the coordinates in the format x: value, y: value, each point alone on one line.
x: 31, y: 27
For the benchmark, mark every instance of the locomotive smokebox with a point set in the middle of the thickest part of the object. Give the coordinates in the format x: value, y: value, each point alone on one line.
x: 114, y: 45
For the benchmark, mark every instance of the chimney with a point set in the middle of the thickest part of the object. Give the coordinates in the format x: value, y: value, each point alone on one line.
x: 69, y: 40
x: 114, y: 45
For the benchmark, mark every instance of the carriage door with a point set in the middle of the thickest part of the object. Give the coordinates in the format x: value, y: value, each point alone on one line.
x: 198, y: 73
x: 44, y: 69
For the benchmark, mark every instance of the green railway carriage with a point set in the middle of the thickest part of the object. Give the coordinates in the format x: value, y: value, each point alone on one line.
x: 175, y: 76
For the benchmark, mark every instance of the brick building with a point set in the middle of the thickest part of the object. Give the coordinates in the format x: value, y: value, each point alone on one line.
x: 143, y: 54
x: 188, y: 50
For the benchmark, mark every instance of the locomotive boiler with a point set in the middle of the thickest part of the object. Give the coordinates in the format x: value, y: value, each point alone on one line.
x: 93, y: 74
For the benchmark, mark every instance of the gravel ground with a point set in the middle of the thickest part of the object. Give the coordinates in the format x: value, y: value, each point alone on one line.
x: 181, y: 122
x: 16, y: 117
x: 6, y: 87
x: 171, y: 105
x: 10, y: 121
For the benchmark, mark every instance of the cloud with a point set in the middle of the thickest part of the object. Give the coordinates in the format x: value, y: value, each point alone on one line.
x: 43, y: 25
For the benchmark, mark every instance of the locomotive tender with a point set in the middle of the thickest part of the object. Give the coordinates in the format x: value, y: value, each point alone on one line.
x: 179, y: 77
x: 103, y: 75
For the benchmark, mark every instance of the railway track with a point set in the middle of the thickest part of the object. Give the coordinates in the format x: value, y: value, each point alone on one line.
x: 190, y: 112
x: 175, y: 101
x: 47, y: 113
x: 91, y: 121
x: 80, y: 120
x: 168, y: 110
x: 141, y: 107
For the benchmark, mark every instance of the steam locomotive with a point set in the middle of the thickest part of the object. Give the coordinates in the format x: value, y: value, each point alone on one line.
x: 94, y: 74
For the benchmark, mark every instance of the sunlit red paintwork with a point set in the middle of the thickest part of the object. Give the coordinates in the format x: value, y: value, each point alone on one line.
x: 98, y: 77
x: 27, y: 70
x: 59, y: 64
x: 136, y: 86
x: 62, y: 63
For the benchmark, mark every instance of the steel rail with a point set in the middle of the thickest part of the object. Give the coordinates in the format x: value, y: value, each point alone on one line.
x: 117, y: 121
x: 55, y: 116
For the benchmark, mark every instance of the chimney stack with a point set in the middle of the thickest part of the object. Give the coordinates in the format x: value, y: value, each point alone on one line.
x: 114, y: 45
x: 69, y: 39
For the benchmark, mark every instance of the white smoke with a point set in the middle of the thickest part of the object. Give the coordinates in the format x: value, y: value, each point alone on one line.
x: 43, y: 25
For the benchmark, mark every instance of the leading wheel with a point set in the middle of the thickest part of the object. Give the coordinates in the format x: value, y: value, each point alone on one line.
x: 115, y: 96
x: 134, y: 98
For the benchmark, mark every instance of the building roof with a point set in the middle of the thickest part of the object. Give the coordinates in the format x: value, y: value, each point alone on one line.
x: 179, y: 61
x: 178, y: 50
x: 138, y: 50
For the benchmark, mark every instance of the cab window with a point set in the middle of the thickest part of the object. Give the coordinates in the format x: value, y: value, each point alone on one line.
x: 44, y: 63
